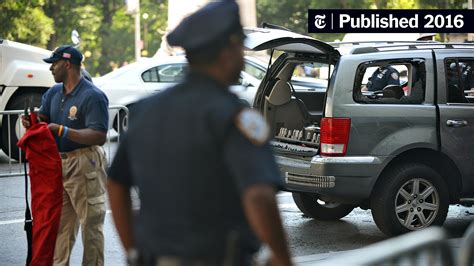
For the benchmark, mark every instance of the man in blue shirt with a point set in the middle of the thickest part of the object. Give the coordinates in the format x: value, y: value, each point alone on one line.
x: 77, y: 113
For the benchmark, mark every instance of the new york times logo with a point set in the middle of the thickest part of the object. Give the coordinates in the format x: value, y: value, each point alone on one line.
x: 319, y: 21
x: 387, y: 21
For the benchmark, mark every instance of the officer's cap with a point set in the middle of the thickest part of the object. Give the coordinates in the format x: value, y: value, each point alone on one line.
x: 65, y: 52
x: 216, y: 22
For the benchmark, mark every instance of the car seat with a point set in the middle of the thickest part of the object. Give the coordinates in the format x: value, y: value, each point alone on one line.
x: 281, y: 109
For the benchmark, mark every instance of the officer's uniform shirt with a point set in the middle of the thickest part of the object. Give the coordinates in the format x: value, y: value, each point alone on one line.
x: 192, y: 152
x: 85, y: 107
x: 382, y: 77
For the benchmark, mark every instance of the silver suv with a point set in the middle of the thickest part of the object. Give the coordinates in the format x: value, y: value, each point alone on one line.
x: 405, y: 151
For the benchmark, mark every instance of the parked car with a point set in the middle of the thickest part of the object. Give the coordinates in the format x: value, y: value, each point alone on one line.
x: 131, y: 83
x: 406, y: 156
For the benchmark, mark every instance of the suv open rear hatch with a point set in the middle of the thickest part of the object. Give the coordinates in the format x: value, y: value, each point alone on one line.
x: 290, y: 137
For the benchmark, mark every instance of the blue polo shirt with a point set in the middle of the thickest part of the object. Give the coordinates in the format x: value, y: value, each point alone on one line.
x: 85, y: 107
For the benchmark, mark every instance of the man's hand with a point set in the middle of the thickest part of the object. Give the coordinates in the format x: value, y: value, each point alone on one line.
x: 25, y: 121
x: 54, y: 128
x: 262, y: 213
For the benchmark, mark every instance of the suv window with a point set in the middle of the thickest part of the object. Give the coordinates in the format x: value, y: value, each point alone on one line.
x: 254, y: 71
x: 459, y: 80
x: 390, y: 82
x: 312, y: 75
x: 165, y: 73
x: 312, y: 70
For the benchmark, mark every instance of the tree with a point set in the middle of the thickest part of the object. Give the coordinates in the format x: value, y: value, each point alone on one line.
x: 293, y: 15
x: 107, y: 37
x: 16, y: 17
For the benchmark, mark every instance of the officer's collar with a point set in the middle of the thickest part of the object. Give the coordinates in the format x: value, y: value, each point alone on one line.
x: 76, y: 89
x: 199, y: 76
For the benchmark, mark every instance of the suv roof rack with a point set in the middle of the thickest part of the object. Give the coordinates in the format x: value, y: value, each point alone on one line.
x: 411, y: 46
x: 339, y: 44
x: 267, y: 25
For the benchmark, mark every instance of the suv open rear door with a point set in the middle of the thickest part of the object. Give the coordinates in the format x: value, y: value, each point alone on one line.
x: 259, y: 39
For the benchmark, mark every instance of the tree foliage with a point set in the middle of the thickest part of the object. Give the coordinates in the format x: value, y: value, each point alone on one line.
x: 293, y: 14
x: 106, y: 31
x: 25, y: 21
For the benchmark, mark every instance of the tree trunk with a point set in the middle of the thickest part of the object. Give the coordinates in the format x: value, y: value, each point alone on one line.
x: 52, y: 10
x: 108, y: 9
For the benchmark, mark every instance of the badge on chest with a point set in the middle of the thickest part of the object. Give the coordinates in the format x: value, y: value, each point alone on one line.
x: 72, y: 113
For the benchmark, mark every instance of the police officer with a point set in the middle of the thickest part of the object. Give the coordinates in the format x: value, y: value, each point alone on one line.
x: 383, y: 76
x: 77, y: 114
x: 201, y: 161
x: 461, y: 78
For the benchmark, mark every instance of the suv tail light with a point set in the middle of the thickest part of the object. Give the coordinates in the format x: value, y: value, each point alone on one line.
x: 334, y: 136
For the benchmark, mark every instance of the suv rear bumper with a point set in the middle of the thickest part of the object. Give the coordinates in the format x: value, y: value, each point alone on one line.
x: 339, y: 178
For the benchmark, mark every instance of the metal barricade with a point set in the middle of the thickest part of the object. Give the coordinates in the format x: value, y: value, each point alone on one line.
x: 466, y: 253
x: 424, y: 247
x: 14, y: 167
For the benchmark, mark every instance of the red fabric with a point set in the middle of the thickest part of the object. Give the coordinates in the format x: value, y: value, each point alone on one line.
x: 46, y: 190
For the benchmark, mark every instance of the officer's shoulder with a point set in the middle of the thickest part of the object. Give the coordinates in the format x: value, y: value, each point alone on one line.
x: 225, y: 104
x: 252, y: 126
x: 392, y: 69
x: 56, y: 88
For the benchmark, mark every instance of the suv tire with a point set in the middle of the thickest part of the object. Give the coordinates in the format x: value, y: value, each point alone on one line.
x: 417, y: 191
x: 310, y: 205
x: 122, y: 122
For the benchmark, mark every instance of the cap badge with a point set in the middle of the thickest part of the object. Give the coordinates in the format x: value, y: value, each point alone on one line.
x: 66, y: 55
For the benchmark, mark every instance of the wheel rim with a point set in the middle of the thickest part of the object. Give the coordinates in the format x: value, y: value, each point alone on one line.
x: 417, y: 204
x: 328, y: 204
x: 125, y: 123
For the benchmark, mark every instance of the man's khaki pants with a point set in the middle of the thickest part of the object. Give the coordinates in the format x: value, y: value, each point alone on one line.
x: 84, y: 180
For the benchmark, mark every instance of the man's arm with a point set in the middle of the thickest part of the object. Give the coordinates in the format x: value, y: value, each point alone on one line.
x: 86, y: 136
x: 121, y: 206
x: 262, y: 213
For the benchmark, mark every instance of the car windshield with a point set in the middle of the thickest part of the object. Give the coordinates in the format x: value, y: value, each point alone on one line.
x: 121, y: 71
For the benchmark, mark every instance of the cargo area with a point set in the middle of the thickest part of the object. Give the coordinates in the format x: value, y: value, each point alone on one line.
x: 293, y: 106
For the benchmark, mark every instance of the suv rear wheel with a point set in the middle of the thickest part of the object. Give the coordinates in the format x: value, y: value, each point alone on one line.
x: 312, y: 206
x: 409, y: 197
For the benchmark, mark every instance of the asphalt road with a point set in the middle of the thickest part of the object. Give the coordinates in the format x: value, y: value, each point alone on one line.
x: 306, y: 236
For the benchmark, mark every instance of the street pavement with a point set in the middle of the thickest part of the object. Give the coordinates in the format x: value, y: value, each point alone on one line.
x: 310, y: 241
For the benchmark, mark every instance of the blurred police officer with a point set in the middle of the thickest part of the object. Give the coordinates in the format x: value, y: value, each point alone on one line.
x: 383, y: 76
x: 205, y: 172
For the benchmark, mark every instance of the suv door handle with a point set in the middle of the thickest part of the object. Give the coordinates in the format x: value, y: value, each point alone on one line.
x: 456, y: 123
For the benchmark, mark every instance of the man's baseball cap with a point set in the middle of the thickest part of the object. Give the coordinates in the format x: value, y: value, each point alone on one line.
x: 65, y: 52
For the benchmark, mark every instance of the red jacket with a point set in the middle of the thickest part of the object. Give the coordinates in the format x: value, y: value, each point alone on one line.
x: 46, y: 190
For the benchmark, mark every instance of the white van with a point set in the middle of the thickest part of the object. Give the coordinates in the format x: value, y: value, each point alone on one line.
x: 24, y: 77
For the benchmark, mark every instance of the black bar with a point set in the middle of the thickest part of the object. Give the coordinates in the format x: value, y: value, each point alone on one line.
x: 390, y: 20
